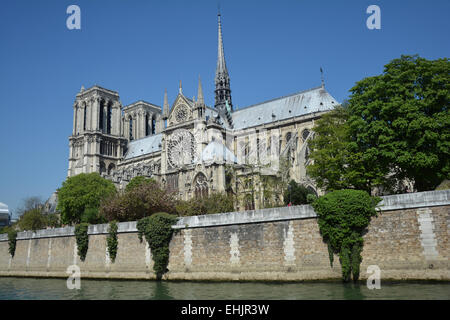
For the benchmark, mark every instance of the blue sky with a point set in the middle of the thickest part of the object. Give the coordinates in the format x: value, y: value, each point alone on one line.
x: 139, y: 48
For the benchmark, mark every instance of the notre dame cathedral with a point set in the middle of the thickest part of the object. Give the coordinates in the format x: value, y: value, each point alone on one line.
x: 189, y: 146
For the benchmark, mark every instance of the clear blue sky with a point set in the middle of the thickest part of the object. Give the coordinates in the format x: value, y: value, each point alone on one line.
x: 138, y: 48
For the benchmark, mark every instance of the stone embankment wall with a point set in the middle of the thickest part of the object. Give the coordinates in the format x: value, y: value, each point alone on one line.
x: 408, y: 240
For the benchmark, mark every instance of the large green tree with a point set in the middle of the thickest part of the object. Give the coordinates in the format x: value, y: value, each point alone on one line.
x: 395, y: 126
x: 80, y: 196
x: 400, y: 120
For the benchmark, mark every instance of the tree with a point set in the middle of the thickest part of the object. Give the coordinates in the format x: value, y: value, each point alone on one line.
x: 137, y: 181
x: 336, y: 162
x: 81, y: 195
x: 400, y: 120
x: 141, y: 201
x: 296, y: 194
x: 28, y: 204
x: 213, y: 203
x: 32, y: 219
x: 396, y: 126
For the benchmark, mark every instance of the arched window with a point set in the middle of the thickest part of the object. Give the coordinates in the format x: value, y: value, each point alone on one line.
x: 84, y: 121
x: 102, y: 167
x: 101, y: 117
x: 108, y: 119
x: 305, y: 134
x: 111, y: 167
x: 131, y: 128
x: 200, y: 186
x: 147, y: 125
x: 153, y: 124
x: 288, y: 136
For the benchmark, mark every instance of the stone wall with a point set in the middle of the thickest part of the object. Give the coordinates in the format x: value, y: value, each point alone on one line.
x: 408, y: 240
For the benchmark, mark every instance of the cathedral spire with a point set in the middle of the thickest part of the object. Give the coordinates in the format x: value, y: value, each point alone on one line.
x: 165, y: 106
x: 200, y: 99
x: 222, y: 79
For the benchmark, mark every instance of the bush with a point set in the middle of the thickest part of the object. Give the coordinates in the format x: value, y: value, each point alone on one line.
x: 139, y: 202
x: 297, y: 195
x: 137, y: 181
x: 92, y: 216
x: 158, y: 231
x: 214, y: 203
x: 53, y: 220
x: 32, y: 220
x: 82, y: 193
x: 12, y: 235
x: 343, y: 216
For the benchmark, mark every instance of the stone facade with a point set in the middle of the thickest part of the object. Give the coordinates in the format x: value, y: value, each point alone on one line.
x: 188, y: 146
x: 282, y: 244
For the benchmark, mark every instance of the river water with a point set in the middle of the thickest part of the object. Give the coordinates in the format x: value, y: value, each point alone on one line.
x: 44, y: 289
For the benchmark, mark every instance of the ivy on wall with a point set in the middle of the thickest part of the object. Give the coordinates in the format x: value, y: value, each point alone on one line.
x: 343, y: 217
x: 158, y: 231
x: 12, y: 239
x: 111, y: 240
x: 82, y: 237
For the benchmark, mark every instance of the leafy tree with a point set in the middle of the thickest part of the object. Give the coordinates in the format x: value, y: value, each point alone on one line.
x: 28, y: 204
x: 137, y: 181
x: 81, y: 194
x: 343, y: 216
x: 400, y: 120
x: 296, y: 193
x: 32, y: 220
x: 336, y: 162
x: 213, y: 203
x: 53, y: 220
x: 396, y: 126
x: 141, y: 201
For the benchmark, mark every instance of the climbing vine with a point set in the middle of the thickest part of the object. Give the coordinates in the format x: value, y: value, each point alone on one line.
x: 82, y: 237
x: 111, y: 240
x: 12, y: 239
x: 158, y: 231
x: 343, y: 217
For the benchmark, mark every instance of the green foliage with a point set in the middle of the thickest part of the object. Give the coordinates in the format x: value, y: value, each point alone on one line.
x: 12, y: 236
x: 80, y: 193
x: 343, y: 216
x: 82, y: 237
x: 111, y: 240
x: 296, y: 193
x: 92, y: 216
x: 336, y: 163
x: 53, y: 220
x: 396, y: 126
x: 141, y: 201
x: 213, y: 203
x: 158, y: 231
x: 400, y: 121
x: 444, y: 185
x: 137, y: 181
x: 32, y: 220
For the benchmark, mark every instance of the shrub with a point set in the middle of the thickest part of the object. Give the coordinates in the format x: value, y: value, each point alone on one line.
x: 137, y: 181
x: 53, y: 220
x: 158, y: 231
x: 139, y: 202
x: 297, y: 195
x: 32, y: 220
x: 214, y: 203
x: 12, y: 236
x: 343, y: 216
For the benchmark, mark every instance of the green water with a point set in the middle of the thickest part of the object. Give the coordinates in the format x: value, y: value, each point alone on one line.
x: 44, y: 289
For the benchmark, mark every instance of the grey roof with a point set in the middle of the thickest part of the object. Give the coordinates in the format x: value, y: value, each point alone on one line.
x: 298, y: 104
x: 216, y: 151
x: 143, y: 146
